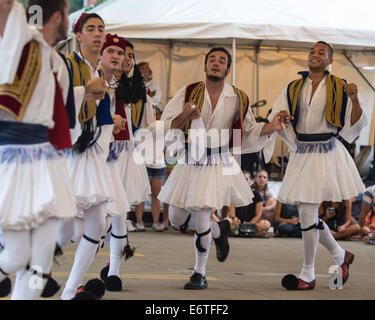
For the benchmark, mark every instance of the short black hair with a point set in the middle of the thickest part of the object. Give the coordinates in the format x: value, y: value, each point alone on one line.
x: 330, y: 49
x: 48, y: 8
x: 219, y: 49
x: 86, y: 18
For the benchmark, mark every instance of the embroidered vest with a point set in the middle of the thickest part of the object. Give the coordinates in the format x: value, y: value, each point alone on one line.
x: 336, y: 101
x: 137, y: 114
x: 120, y: 110
x: 80, y: 73
x: 15, y: 97
x: 59, y: 135
x: 70, y: 103
x: 195, y: 92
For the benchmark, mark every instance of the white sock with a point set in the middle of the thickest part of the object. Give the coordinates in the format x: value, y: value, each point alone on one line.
x: 106, y: 235
x: 107, y: 239
x: 43, y: 240
x: 117, y: 245
x: 179, y: 216
x: 2, y: 244
x: 308, y: 216
x: 308, y: 273
x: 202, y: 219
x: 215, y: 230
x: 84, y: 256
x: 310, y: 244
x: 17, y: 252
x: 338, y: 255
x: 78, y: 229
x: 65, y: 231
x: 94, y: 225
x: 200, y: 222
x: 19, y: 275
x: 330, y: 243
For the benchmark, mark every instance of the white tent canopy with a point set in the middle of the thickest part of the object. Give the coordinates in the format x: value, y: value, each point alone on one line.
x: 340, y: 22
x: 174, y: 36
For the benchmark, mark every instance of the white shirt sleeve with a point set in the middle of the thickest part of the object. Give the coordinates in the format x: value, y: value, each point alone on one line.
x: 148, y: 116
x: 62, y: 75
x: 351, y: 132
x: 79, y: 94
x: 174, y: 107
x: 287, y: 134
x: 16, y: 35
x: 251, y: 139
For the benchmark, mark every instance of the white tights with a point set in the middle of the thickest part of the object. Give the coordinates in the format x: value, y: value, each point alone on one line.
x: 200, y: 222
x: 35, y: 248
x: 94, y: 225
x: 308, y: 214
x: 65, y: 231
x: 117, y: 244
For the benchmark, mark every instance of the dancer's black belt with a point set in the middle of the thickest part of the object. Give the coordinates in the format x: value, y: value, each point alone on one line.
x: 210, y: 151
x: 314, y: 137
x: 22, y: 133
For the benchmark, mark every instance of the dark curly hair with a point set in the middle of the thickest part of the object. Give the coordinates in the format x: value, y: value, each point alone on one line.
x: 222, y: 49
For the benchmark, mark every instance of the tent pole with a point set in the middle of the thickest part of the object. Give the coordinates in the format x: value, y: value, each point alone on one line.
x: 234, y: 62
x: 169, y: 70
x: 257, y: 48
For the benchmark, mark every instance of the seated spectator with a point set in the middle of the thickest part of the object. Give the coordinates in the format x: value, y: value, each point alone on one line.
x: 368, y: 229
x: 268, y: 197
x: 287, y: 221
x: 357, y: 206
x: 338, y: 217
x: 251, y: 213
x: 367, y: 198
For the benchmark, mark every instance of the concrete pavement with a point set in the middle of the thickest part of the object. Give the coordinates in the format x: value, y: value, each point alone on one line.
x: 253, y: 271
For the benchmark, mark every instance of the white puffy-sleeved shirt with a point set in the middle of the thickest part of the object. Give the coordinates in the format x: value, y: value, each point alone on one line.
x: 226, y: 113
